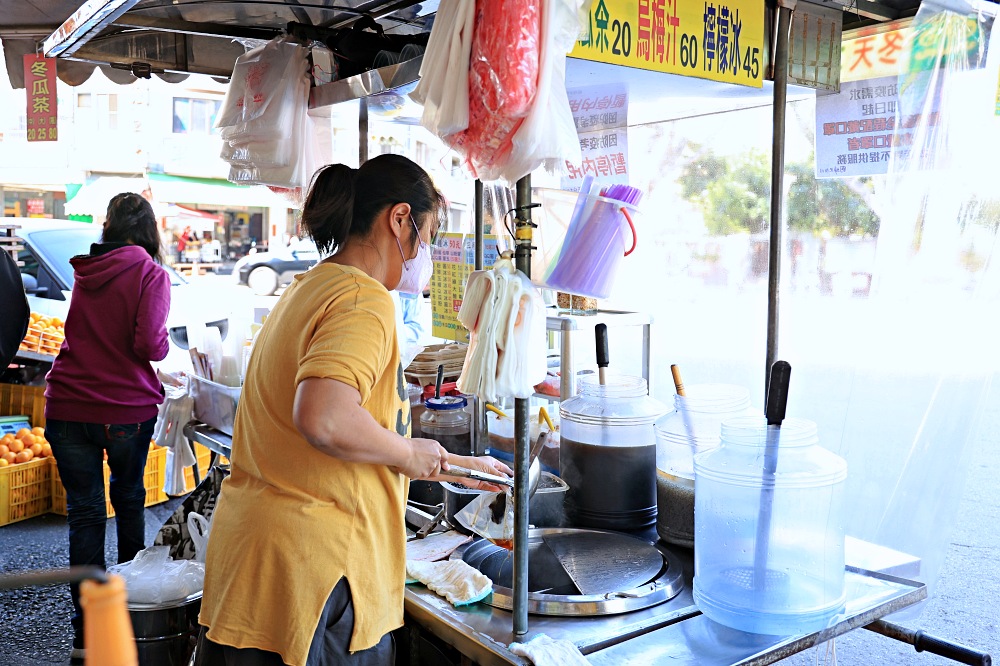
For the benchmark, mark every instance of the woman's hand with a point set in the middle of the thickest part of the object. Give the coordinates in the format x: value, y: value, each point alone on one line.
x: 487, y: 464
x: 425, y: 460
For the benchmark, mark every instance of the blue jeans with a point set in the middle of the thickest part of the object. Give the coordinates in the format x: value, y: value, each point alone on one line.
x: 79, y: 452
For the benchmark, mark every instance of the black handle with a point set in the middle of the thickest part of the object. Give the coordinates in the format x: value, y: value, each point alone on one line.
x: 439, y: 381
x: 601, y: 331
x: 777, y: 392
x: 954, y: 651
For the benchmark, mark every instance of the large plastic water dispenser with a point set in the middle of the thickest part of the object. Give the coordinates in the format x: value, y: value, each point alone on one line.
x: 769, y: 547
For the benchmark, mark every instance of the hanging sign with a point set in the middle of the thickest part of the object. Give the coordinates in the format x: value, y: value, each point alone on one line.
x: 720, y: 40
x: 601, y: 117
x: 40, y: 91
x: 875, y: 55
x: 454, y: 260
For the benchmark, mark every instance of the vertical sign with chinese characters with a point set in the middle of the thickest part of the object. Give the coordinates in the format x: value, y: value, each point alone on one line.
x: 601, y: 117
x: 721, y: 40
x: 454, y: 259
x: 40, y: 91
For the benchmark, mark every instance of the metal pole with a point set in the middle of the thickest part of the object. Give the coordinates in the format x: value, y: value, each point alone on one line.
x: 522, y: 428
x: 923, y: 642
x: 785, y: 9
x: 480, y: 431
x: 362, y: 131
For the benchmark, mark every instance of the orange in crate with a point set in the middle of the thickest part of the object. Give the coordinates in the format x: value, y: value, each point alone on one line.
x: 156, y: 469
x: 25, y: 490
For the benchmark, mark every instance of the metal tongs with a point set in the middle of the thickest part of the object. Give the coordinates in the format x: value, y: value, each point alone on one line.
x: 464, y: 473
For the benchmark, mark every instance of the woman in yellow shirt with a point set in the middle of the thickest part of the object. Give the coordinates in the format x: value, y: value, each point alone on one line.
x: 306, y: 559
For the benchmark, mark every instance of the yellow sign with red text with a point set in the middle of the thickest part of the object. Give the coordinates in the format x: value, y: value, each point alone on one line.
x: 875, y: 55
x: 720, y: 40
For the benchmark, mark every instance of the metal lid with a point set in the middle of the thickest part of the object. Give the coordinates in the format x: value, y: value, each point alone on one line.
x: 580, y: 572
x: 445, y: 403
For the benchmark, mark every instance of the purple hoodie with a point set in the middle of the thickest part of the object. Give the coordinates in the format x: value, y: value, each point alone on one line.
x: 115, y: 328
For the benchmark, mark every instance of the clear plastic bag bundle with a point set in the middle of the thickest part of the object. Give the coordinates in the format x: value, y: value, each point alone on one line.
x: 268, y: 135
x: 153, y: 578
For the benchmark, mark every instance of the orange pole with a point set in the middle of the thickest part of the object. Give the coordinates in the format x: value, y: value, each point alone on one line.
x: 107, y: 628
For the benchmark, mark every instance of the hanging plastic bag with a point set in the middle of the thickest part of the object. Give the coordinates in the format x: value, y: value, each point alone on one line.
x: 153, y: 578
x: 199, y: 528
x: 174, y: 414
x: 444, y: 72
x: 505, y: 316
x: 503, y: 81
x: 547, y: 137
x: 491, y: 516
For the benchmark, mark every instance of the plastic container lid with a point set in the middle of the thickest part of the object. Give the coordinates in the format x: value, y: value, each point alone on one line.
x: 802, y: 462
x: 445, y: 403
x: 623, y: 400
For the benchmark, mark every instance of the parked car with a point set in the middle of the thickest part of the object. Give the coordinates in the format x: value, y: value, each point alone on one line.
x: 48, y: 280
x: 266, y: 272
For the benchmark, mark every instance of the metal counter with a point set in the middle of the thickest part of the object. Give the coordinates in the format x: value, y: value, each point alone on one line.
x: 219, y: 443
x: 674, y: 632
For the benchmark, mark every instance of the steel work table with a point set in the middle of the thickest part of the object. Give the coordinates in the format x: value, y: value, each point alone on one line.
x: 674, y: 632
x: 216, y: 441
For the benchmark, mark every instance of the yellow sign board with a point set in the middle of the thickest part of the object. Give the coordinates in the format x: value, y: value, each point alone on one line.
x: 720, y: 40
x: 454, y: 261
x: 875, y: 54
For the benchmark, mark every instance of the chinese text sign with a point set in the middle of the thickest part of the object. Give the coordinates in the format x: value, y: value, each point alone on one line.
x: 601, y: 117
x: 454, y: 259
x: 40, y: 91
x: 721, y: 40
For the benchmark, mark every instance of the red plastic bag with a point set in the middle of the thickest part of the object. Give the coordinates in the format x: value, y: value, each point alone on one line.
x: 503, y: 80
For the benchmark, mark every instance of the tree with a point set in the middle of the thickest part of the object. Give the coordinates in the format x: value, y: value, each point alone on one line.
x: 734, y: 195
x: 829, y: 204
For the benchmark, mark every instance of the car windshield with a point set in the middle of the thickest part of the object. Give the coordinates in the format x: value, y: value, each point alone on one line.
x: 58, y: 246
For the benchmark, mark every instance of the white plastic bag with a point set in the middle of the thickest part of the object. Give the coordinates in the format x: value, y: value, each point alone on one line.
x: 174, y: 414
x: 199, y: 528
x: 444, y: 72
x: 153, y: 578
x: 548, y: 137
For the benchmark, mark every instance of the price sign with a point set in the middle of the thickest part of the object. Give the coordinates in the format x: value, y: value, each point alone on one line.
x: 720, y: 40
x: 454, y: 260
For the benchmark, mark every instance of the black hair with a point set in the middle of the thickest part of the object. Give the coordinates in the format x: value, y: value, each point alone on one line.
x: 344, y: 202
x: 131, y: 220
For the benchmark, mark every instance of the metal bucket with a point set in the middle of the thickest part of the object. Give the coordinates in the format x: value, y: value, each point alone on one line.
x: 166, y: 633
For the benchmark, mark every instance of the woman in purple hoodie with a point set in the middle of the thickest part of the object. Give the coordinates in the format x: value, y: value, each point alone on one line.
x: 103, y: 392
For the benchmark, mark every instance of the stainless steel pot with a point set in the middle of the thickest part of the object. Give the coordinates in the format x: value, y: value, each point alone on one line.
x: 166, y: 633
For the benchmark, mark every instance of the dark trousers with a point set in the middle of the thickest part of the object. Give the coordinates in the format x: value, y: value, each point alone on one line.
x: 329, y: 645
x: 79, y: 452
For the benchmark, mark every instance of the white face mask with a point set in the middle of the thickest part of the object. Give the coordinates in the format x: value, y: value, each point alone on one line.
x: 417, y: 271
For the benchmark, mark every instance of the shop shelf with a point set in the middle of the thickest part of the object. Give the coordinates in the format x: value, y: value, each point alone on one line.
x: 155, y: 476
x: 17, y: 399
x: 25, y: 490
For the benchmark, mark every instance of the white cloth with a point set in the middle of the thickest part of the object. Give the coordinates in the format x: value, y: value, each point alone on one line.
x: 544, y: 651
x: 454, y: 580
x: 174, y: 414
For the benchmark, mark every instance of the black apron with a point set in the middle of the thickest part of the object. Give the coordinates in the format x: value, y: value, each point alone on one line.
x: 14, y: 306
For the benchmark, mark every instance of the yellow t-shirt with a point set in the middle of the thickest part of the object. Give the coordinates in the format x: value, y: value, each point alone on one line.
x: 292, y: 520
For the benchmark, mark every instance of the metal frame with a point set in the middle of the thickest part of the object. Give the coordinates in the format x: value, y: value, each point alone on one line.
x: 83, y: 25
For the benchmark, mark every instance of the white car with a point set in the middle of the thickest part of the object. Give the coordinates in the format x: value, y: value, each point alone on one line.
x: 48, y: 281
